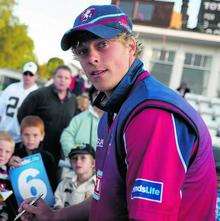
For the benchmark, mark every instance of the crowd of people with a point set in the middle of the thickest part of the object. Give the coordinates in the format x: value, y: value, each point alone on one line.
x: 135, y: 149
x: 56, y: 122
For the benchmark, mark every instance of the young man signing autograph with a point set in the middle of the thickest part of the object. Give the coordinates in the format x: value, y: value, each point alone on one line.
x: 154, y: 157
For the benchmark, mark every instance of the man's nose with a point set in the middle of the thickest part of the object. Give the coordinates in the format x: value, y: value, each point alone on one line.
x: 94, y: 56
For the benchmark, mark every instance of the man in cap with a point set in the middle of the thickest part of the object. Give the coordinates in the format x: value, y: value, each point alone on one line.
x: 154, y: 152
x: 12, y: 97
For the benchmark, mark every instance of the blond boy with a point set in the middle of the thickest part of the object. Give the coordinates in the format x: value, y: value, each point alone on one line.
x: 80, y: 187
x: 7, y: 145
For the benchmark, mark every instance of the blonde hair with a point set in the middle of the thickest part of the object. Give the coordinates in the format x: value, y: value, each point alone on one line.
x: 6, y: 137
x: 124, y: 37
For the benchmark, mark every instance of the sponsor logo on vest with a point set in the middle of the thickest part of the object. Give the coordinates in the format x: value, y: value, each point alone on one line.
x: 97, y: 190
x: 100, y: 142
x: 147, y: 190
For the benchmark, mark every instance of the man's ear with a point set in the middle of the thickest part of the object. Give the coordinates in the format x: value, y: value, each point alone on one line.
x: 132, y: 46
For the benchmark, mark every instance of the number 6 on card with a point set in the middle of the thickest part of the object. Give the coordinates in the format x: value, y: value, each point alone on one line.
x: 30, y: 180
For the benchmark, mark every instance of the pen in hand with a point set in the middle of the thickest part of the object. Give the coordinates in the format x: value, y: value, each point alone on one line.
x: 30, y: 203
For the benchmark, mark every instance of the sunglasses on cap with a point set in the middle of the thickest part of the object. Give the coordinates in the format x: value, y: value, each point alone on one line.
x: 28, y: 73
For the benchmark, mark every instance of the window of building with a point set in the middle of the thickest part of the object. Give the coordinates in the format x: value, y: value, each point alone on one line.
x: 162, y: 64
x: 150, y: 12
x: 144, y: 12
x: 127, y: 7
x: 196, y: 72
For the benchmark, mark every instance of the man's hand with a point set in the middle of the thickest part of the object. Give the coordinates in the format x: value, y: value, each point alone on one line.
x: 39, y: 211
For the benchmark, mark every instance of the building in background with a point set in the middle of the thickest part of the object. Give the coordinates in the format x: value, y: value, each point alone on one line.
x: 142, y: 12
x: 171, y: 52
x: 174, y: 56
x: 209, y: 17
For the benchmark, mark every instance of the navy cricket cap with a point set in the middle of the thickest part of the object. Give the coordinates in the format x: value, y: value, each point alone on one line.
x: 82, y: 149
x: 104, y: 21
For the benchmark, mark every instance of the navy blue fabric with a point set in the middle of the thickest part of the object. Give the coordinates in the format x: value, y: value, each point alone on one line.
x: 185, y: 138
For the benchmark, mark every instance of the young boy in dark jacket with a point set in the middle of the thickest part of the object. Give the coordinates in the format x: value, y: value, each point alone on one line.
x: 32, y: 133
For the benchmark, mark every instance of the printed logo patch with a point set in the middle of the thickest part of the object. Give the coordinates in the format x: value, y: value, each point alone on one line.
x: 87, y: 14
x: 100, y: 142
x: 147, y: 190
x: 97, y: 189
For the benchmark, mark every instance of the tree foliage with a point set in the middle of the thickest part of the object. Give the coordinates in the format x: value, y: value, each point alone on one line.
x: 46, y: 70
x: 16, y: 47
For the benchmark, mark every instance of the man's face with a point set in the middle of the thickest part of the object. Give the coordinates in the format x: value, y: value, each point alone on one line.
x: 62, y: 79
x: 105, y: 62
x: 29, y: 79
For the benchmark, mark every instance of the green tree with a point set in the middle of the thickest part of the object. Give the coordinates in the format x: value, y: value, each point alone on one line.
x: 46, y: 70
x: 16, y: 47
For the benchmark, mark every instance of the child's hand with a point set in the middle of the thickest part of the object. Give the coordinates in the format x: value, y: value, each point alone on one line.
x: 15, y: 161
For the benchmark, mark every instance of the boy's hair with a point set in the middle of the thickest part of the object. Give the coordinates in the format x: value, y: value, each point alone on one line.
x: 82, y: 149
x: 6, y: 137
x: 33, y: 121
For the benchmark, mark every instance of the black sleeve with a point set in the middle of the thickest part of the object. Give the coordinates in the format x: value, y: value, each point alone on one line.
x: 28, y: 106
x: 51, y: 168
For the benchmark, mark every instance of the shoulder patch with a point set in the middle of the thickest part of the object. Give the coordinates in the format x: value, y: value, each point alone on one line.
x: 147, y: 190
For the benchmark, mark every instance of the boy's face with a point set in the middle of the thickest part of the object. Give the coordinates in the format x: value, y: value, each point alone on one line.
x: 6, y: 151
x: 83, y: 103
x: 82, y: 164
x: 105, y: 62
x: 31, y: 137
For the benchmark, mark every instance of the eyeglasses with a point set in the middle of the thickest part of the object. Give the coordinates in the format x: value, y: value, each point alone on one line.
x: 28, y: 73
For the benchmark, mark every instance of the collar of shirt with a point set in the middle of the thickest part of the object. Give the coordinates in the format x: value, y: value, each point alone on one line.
x: 120, y: 93
x: 92, y: 111
x: 92, y: 179
x: 55, y: 91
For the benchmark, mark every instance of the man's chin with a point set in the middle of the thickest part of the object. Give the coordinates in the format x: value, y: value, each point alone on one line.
x: 2, y: 162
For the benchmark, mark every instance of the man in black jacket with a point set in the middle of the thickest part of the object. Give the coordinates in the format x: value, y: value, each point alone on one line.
x: 55, y: 105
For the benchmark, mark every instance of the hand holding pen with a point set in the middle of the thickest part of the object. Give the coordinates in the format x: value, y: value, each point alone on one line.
x: 38, y: 211
x: 32, y: 202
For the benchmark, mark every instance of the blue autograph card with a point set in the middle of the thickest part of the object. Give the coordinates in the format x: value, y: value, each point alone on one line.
x: 30, y: 180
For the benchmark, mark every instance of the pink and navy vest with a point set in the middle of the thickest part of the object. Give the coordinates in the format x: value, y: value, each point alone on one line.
x: 138, y: 91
